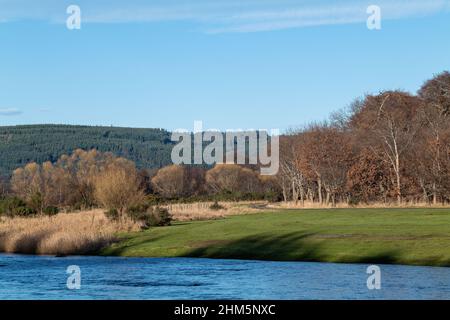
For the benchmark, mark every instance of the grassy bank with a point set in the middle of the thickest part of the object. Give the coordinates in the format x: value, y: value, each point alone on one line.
x: 400, y: 236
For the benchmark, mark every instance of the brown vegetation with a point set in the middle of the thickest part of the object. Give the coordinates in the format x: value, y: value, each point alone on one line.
x: 178, y: 181
x: 205, y: 211
x: 64, y: 234
x: 117, y: 186
x: 393, y: 146
x: 232, y: 178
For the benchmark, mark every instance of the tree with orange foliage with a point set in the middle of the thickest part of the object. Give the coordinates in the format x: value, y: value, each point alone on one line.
x: 387, y: 124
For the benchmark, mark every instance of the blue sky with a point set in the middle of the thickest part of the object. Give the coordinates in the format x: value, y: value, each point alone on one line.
x: 232, y: 64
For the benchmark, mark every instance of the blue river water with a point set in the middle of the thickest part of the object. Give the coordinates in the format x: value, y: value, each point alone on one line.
x: 112, y: 278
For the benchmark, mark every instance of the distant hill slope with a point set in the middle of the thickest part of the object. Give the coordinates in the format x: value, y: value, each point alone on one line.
x: 149, y: 148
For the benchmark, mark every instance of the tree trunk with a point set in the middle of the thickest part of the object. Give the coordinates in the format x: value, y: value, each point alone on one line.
x: 434, y: 194
x: 319, y: 185
x: 399, y: 188
x: 302, y: 195
x: 294, y: 192
x: 284, y: 192
x: 424, y: 190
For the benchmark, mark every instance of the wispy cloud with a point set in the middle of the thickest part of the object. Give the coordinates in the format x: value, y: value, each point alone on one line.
x: 327, y: 14
x: 10, y: 112
x: 219, y: 16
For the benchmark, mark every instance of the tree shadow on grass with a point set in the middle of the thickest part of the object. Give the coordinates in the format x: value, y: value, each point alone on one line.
x: 288, y: 247
x: 385, y: 257
x: 121, y: 246
x: 295, y: 246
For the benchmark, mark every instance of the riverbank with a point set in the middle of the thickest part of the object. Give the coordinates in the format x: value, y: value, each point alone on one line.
x: 388, y: 236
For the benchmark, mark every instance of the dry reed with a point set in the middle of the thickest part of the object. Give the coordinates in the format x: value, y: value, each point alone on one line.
x: 316, y: 205
x: 203, y: 211
x: 64, y: 234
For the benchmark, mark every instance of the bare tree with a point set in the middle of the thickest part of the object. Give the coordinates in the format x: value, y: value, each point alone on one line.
x: 169, y: 181
x: 436, y: 115
x: 117, y: 186
x: 389, y: 121
x: 232, y: 178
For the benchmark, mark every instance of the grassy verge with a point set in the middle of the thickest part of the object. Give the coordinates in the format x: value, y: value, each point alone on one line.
x: 400, y: 236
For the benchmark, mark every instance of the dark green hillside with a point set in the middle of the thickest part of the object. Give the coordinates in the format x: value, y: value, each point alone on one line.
x: 149, y: 148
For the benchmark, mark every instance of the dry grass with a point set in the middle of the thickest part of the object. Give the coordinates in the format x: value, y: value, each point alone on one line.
x: 203, y: 211
x: 316, y: 205
x: 64, y: 234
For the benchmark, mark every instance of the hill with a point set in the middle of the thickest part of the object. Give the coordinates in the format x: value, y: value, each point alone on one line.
x: 19, y: 145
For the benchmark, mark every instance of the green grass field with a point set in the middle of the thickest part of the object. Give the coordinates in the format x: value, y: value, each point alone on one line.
x: 398, y: 236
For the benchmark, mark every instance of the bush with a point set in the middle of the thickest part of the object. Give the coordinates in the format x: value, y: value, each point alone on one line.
x: 36, y: 202
x: 112, y: 214
x: 354, y: 201
x: 13, y: 207
x: 51, y: 211
x: 216, y: 206
x: 161, y: 217
x: 151, y: 216
x: 23, y: 212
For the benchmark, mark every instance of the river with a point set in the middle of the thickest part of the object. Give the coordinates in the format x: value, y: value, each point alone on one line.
x: 106, y: 278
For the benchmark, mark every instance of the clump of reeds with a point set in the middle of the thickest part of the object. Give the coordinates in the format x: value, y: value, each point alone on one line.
x: 64, y: 234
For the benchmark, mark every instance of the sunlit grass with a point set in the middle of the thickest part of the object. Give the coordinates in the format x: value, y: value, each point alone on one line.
x: 403, y: 236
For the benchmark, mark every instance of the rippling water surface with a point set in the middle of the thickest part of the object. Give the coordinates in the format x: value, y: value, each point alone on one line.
x: 32, y: 277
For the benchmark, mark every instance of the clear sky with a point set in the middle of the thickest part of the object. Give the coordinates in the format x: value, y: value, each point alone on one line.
x: 232, y: 64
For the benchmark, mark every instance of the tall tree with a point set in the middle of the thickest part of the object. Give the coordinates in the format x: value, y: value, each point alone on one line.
x: 435, y: 146
x: 389, y: 122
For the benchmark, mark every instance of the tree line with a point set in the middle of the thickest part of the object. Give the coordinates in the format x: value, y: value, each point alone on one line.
x: 388, y: 147
x: 20, y: 145
x: 88, y: 179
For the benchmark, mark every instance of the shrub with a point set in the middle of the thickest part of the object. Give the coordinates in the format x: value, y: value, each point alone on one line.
x: 272, y: 196
x: 14, y: 206
x: 161, y: 216
x: 151, y: 216
x: 354, y: 201
x: 153, y: 199
x: 36, y: 202
x: 112, y: 214
x: 23, y: 212
x: 137, y: 210
x: 51, y: 211
x: 216, y: 206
